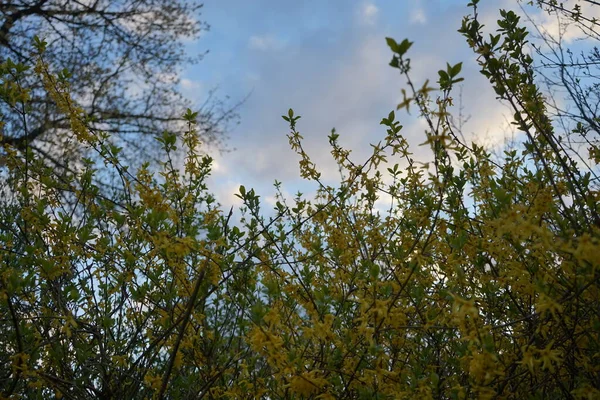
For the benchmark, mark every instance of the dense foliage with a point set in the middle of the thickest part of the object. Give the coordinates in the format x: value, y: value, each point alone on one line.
x: 478, y: 280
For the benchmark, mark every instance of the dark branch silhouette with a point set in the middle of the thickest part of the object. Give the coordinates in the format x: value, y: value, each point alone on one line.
x: 124, y: 58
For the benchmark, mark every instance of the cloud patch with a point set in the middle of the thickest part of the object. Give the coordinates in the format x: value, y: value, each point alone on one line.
x: 557, y: 26
x: 418, y: 17
x: 265, y: 43
x: 368, y: 13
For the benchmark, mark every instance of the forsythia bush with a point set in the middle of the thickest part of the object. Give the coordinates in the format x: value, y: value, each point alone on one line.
x: 479, y: 281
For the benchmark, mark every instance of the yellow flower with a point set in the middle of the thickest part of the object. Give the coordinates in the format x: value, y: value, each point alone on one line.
x: 550, y: 357
x: 307, y: 383
x: 154, y: 381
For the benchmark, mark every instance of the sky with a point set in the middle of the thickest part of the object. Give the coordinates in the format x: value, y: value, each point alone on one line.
x: 328, y: 60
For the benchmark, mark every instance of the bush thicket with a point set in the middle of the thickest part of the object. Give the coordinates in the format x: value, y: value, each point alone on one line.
x: 479, y: 281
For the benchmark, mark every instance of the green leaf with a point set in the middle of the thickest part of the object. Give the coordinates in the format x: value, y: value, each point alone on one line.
x: 392, y: 44
x: 404, y: 46
x: 455, y: 70
x: 190, y: 116
x: 443, y: 76
x: 40, y: 44
x: 333, y: 137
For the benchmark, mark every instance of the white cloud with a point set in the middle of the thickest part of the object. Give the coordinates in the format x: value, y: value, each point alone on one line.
x: 192, y: 89
x: 351, y: 92
x: 368, y: 13
x: 217, y: 167
x: 265, y: 43
x: 224, y: 193
x: 418, y: 16
x: 189, y: 84
x: 559, y: 26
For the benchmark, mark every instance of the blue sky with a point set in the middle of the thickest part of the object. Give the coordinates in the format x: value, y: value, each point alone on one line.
x: 327, y: 60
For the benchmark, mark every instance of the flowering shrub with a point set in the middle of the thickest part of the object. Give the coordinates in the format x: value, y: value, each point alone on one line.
x: 479, y: 281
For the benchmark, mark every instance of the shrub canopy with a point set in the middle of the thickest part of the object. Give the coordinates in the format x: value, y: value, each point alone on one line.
x: 478, y: 280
